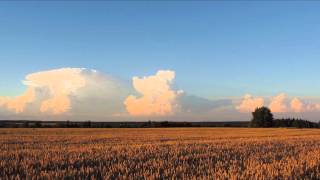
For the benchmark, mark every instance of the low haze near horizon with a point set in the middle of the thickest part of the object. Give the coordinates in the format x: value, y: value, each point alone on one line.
x: 180, y: 61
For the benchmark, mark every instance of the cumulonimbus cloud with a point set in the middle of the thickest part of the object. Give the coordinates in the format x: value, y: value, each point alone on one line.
x: 84, y: 91
x: 56, y: 91
x: 59, y: 84
x: 157, y: 96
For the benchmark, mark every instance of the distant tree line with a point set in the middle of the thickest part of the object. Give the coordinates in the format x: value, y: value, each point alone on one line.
x: 262, y: 117
x: 92, y: 124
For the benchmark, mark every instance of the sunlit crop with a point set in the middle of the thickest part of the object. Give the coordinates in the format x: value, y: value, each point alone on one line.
x: 187, y: 153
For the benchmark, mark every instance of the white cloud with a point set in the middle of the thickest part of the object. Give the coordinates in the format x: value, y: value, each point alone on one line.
x: 157, y: 96
x: 190, y: 104
x: 102, y: 97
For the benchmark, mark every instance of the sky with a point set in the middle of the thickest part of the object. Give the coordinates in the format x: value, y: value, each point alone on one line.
x: 180, y: 60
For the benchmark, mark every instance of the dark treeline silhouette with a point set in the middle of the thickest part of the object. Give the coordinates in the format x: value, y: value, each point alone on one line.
x: 92, y: 124
x: 298, y: 123
x: 262, y: 117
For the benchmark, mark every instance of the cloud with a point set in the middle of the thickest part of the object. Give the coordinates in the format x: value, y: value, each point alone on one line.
x: 59, y: 84
x: 278, y: 104
x: 57, y: 104
x: 56, y: 85
x: 297, y: 105
x: 87, y: 94
x: 197, y: 105
x: 283, y: 104
x: 18, y: 103
x: 102, y: 97
x: 68, y: 90
x: 249, y: 103
x: 157, y: 96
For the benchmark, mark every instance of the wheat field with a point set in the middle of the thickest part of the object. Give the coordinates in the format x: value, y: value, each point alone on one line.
x: 172, y: 153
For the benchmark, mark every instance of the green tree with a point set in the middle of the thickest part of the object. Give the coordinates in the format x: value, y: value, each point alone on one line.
x: 262, y: 117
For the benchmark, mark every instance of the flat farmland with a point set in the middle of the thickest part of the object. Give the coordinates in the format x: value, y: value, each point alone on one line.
x: 160, y: 153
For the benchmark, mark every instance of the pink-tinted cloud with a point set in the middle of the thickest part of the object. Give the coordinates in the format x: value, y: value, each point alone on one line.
x: 249, y: 103
x: 18, y: 103
x: 59, y: 84
x: 297, y: 105
x: 76, y: 92
x: 157, y: 96
x: 56, y: 105
x: 278, y: 104
x: 84, y: 93
x: 283, y: 104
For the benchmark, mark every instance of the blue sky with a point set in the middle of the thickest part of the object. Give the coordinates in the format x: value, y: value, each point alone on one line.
x: 217, y: 49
